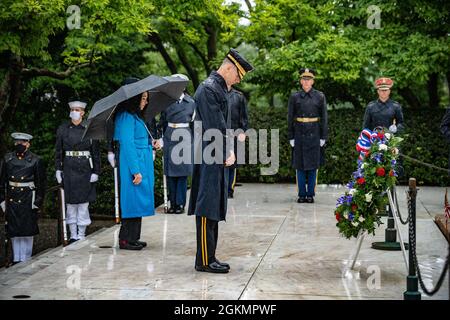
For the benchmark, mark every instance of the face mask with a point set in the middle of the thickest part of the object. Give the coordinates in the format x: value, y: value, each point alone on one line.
x: 20, y: 148
x: 75, y: 115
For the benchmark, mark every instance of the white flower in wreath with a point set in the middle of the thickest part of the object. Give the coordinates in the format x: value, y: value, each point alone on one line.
x: 345, y: 215
x: 382, y: 147
x: 369, y: 197
x: 355, y: 224
x: 361, y: 219
x: 363, y: 165
x: 352, y: 191
x: 388, y: 135
x: 395, y: 151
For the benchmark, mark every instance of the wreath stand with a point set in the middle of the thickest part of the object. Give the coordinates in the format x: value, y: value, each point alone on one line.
x: 395, y: 228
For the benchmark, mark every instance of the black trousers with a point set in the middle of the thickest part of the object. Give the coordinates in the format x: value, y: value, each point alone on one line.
x: 207, y: 234
x: 130, y: 230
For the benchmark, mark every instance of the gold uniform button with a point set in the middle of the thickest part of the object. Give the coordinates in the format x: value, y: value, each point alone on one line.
x: 12, y: 177
x: 10, y: 200
x: 21, y: 189
x: 21, y: 178
x: 19, y: 201
x: 12, y: 188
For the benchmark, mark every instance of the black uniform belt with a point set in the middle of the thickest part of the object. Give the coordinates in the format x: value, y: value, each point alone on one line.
x: 22, y: 184
x: 78, y: 153
x: 307, y: 119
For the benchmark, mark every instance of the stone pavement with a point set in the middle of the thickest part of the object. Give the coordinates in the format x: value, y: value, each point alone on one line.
x: 277, y: 249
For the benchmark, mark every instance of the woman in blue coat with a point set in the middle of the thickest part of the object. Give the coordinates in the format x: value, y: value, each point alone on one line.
x: 135, y: 170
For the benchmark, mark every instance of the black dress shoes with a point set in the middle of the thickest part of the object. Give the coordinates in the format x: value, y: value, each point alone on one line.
x: 223, y: 264
x: 301, y: 200
x: 310, y: 199
x: 171, y: 210
x: 123, y: 244
x: 142, y: 243
x: 72, y: 241
x: 179, y: 210
x: 231, y: 195
x: 213, y: 267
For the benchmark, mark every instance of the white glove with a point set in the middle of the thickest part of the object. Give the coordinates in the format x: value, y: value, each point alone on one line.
x: 59, y: 176
x: 393, y: 128
x: 161, y: 142
x: 94, y: 178
x: 322, y: 142
x: 292, y: 142
x: 112, y: 159
x: 3, y: 205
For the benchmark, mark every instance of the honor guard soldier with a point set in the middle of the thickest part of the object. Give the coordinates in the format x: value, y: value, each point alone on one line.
x: 209, y: 193
x: 239, y: 120
x: 384, y: 112
x: 22, y: 191
x: 176, y: 121
x: 77, y: 164
x: 307, y: 133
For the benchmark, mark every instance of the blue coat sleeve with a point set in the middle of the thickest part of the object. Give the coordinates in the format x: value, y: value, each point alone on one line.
x: 126, y: 140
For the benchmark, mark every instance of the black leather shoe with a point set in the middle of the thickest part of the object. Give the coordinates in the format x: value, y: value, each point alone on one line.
x: 142, y: 243
x: 230, y: 195
x: 213, y: 267
x: 129, y: 246
x: 72, y: 241
x: 301, y: 200
x: 310, y: 199
x: 171, y: 210
x: 223, y: 264
x: 179, y: 209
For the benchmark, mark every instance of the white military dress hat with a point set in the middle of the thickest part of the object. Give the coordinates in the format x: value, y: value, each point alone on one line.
x: 21, y: 136
x: 77, y: 104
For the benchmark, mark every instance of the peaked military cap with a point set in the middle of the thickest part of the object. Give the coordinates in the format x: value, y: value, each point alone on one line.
x: 384, y: 83
x: 239, y: 61
x: 307, y: 73
x: 77, y: 104
x: 21, y: 136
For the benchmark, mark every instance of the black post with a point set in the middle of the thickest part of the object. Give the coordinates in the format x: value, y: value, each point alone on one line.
x: 390, y: 236
x: 412, y: 283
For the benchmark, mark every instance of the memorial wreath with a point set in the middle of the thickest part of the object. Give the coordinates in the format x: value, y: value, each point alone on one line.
x: 358, y: 208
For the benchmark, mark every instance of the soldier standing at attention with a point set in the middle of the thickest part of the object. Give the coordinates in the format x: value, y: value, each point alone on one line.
x: 22, y: 191
x: 77, y: 164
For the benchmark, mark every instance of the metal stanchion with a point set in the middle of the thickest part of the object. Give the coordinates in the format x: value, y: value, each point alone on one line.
x: 390, y: 243
x: 412, y: 281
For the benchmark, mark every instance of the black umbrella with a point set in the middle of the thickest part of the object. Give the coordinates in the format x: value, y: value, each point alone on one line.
x: 163, y: 91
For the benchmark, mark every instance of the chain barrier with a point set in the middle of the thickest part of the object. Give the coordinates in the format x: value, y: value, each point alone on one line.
x: 424, y: 163
x: 412, y: 246
x: 394, y: 193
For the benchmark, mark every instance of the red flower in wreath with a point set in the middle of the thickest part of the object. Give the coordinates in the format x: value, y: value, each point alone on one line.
x: 380, y: 135
x: 391, y: 173
x: 338, y: 216
x: 361, y: 181
x: 354, y: 207
x: 381, y: 172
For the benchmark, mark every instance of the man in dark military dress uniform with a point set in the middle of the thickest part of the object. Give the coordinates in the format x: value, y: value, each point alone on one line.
x: 239, y: 120
x: 22, y: 191
x: 209, y: 193
x: 176, y: 121
x: 307, y: 133
x: 77, y: 164
x: 384, y: 112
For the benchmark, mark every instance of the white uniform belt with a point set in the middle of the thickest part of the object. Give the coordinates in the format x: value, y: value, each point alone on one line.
x: 178, y: 125
x: 22, y: 184
x: 78, y: 153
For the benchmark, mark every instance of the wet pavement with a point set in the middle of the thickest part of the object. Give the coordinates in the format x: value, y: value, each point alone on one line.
x: 277, y: 249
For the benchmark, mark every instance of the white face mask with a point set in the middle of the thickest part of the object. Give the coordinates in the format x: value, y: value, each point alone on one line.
x: 75, y: 115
